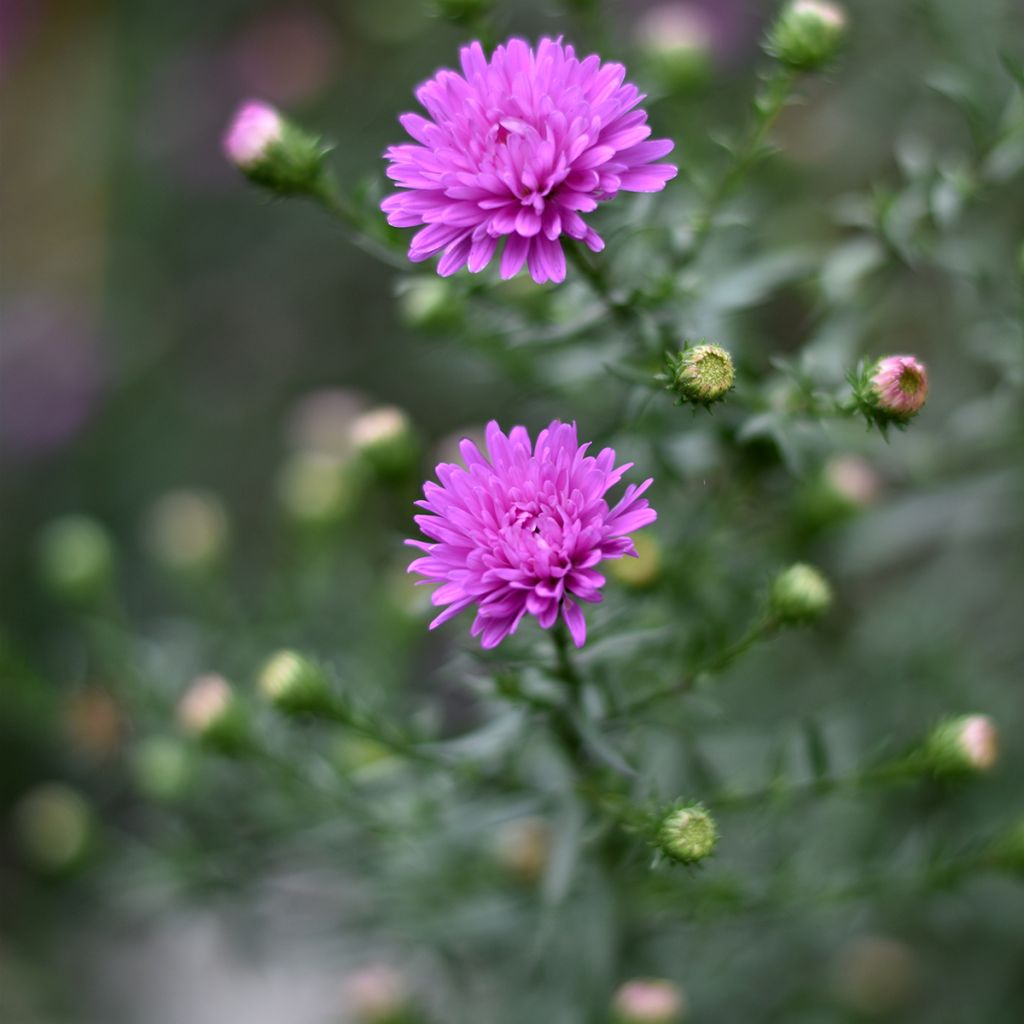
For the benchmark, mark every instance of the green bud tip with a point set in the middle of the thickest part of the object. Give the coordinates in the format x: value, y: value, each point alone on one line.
x: 702, y: 374
x: 76, y: 558
x: 186, y: 531
x: 687, y: 834
x: 800, y: 594
x: 384, y: 437
x: 807, y: 34
x: 961, y: 746
x: 53, y: 825
x: 648, y: 1001
x: 293, y: 683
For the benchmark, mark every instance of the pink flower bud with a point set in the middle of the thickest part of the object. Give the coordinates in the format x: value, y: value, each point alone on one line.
x: 900, y: 384
x: 254, y: 128
x: 376, y: 993
x: 649, y: 1001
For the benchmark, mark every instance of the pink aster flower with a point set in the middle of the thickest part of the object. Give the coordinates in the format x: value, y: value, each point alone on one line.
x: 522, y: 530
x: 516, y: 149
x: 900, y: 385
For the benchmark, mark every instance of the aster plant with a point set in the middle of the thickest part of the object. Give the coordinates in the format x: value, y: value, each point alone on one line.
x: 654, y: 733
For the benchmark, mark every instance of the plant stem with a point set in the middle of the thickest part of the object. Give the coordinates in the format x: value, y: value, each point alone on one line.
x: 711, y: 667
x: 768, y: 104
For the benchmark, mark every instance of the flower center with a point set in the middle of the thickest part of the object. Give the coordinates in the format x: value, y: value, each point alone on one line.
x: 910, y: 381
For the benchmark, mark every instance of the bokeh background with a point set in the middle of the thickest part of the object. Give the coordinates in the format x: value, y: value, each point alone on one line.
x: 165, y: 327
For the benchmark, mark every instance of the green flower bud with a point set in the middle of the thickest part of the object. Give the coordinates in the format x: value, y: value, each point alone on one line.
x: 675, y: 42
x: 429, y: 303
x: 384, y: 437
x: 807, y: 34
x: 523, y: 848
x: 316, y: 489
x: 54, y: 827
x: 163, y: 768
x: 800, y: 594
x: 186, y: 532
x: 211, y: 712
x: 76, y: 559
x: 687, y: 834
x: 962, y: 746
x: 272, y: 152
x: 648, y: 1001
x: 643, y: 570
x: 293, y: 684
x: 702, y: 374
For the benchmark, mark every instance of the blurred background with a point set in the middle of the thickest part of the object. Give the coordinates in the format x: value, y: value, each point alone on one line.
x: 238, y: 406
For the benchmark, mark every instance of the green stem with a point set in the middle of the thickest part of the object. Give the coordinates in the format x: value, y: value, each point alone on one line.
x: 768, y: 104
x: 711, y: 667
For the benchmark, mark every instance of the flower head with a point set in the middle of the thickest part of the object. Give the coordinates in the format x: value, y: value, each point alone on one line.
x: 901, y: 386
x: 702, y: 374
x: 522, y: 530
x: 516, y: 149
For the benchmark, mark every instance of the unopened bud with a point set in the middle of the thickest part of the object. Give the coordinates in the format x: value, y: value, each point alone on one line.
x: 676, y: 43
x: 294, y: 684
x: 648, y: 1001
x: 644, y: 569
x: 272, y: 152
x: 687, y: 834
x: 875, y: 975
x: 211, y: 712
x: 429, y: 303
x: 163, y: 768
x: 523, y: 847
x: 186, y: 532
x: 376, y: 994
x: 800, y: 594
x: 807, y: 34
x: 853, y: 480
x: 891, y: 391
x: 54, y: 826
x: 702, y: 374
x: 76, y: 559
x: 384, y: 437
x: 315, y: 489
x: 966, y: 745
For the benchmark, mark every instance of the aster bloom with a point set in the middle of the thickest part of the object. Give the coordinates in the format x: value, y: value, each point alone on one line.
x: 516, y: 149
x: 522, y: 530
x: 901, y: 386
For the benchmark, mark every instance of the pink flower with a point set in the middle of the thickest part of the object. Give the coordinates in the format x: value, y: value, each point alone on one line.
x: 649, y: 1001
x: 517, y: 149
x: 254, y: 127
x: 521, y: 531
x: 900, y: 384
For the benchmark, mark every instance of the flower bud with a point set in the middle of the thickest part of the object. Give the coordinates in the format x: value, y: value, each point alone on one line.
x: 272, y: 152
x: 687, y: 834
x: 293, y: 684
x: 702, y: 374
x: 76, y: 559
x: 676, y: 43
x: 891, y: 391
x: 523, y: 848
x: 800, y: 594
x: 163, y: 768
x: 376, y: 994
x: 648, y: 1001
x: 186, y: 532
x: 875, y: 975
x: 644, y: 569
x: 462, y: 10
x: 210, y: 712
x: 429, y: 303
x: 384, y: 437
x: 807, y: 34
x: 53, y: 826
x: 315, y: 489
x: 962, y: 746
